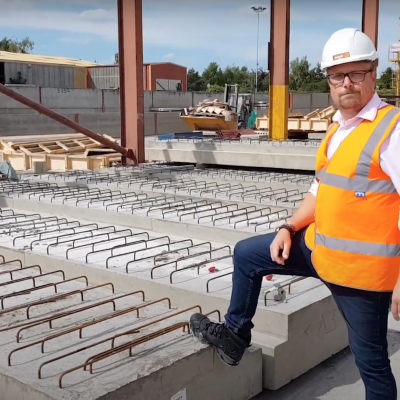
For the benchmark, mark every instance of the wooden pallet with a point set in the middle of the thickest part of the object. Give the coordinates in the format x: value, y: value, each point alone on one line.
x: 62, y: 146
x: 316, y: 121
x: 58, y: 154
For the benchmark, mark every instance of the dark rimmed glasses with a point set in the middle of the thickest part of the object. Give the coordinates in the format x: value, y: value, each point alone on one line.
x: 354, y: 76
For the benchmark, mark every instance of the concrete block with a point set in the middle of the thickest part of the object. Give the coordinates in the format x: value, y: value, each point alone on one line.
x: 8, y: 105
x: 150, y: 123
x: 301, y: 100
x: 172, y: 99
x: 261, y: 97
x: 148, y: 100
x: 111, y: 100
x: 306, y: 332
x: 169, y: 122
x: 158, y: 369
x: 71, y: 98
x: 319, y: 100
x: 30, y: 124
x: 294, y: 336
x: 246, y: 155
x: 105, y: 123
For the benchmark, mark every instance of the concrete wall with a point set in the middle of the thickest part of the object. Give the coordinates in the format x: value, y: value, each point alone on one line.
x: 93, y: 100
x: 306, y: 102
x: 99, y: 109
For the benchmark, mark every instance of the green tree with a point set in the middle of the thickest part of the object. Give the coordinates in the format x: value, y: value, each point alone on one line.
x: 385, y: 80
x: 213, y: 75
x: 17, y: 46
x: 302, y: 78
x: 116, y: 58
x: 195, y: 81
x: 299, y: 74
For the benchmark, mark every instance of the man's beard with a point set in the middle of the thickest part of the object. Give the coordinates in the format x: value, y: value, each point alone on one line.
x: 350, y: 99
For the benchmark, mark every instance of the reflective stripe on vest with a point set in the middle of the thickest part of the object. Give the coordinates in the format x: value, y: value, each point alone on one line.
x: 364, y: 205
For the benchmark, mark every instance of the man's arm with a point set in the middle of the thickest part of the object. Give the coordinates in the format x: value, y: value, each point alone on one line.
x: 305, y: 214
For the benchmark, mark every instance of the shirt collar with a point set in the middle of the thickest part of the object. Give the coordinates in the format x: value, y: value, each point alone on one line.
x: 368, y: 112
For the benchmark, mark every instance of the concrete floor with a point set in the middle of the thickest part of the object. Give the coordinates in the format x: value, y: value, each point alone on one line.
x: 337, y: 378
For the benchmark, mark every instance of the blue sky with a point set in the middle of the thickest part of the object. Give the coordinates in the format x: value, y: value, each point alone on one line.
x: 188, y: 32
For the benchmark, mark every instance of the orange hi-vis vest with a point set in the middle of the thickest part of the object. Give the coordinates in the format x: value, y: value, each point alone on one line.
x: 355, y: 239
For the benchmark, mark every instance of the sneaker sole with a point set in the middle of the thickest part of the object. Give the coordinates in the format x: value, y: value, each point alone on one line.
x: 222, y: 356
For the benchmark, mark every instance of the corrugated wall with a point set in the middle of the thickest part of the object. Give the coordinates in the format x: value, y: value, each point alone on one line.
x: 54, y: 76
x: 107, y: 77
x: 103, y: 77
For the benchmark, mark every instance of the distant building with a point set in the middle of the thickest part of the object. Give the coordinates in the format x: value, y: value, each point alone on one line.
x: 69, y: 73
x: 163, y: 76
x: 43, y: 71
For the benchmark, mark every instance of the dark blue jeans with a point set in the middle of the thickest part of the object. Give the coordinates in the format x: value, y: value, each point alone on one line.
x: 365, y: 312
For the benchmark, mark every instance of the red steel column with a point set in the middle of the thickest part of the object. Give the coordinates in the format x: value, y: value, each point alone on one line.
x: 130, y: 32
x: 370, y: 17
x: 279, y: 69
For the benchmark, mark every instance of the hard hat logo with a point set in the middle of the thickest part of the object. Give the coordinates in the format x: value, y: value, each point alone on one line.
x: 346, y: 46
x: 340, y: 56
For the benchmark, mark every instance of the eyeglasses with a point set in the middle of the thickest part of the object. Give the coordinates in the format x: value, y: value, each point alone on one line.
x: 355, y: 77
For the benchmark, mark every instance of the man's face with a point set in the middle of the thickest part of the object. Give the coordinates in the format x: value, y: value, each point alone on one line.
x: 356, y: 90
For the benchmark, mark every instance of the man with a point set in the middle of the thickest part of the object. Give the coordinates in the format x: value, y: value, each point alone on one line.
x: 346, y: 231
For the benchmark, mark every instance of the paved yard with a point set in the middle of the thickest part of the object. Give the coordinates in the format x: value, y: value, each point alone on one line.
x: 336, y: 378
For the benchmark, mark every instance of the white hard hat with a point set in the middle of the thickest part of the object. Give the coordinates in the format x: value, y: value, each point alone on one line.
x: 348, y: 45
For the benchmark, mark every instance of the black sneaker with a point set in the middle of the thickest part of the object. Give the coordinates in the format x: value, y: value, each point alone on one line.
x: 230, y: 347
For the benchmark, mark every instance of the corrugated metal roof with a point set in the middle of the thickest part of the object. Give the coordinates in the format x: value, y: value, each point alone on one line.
x: 36, y: 59
x: 144, y: 64
x: 163, y: 63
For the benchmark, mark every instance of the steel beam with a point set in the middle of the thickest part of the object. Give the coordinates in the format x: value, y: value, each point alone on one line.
x: 130, y: 32
x: 64, y: 120
x: 279, y: 69
x: 370, y: 18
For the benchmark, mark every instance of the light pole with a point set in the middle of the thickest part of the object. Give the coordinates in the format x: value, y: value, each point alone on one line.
x: 258, y: 10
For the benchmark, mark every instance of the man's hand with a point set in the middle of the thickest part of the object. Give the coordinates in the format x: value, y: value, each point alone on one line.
x: 396, y: 302
x: 280, y: 248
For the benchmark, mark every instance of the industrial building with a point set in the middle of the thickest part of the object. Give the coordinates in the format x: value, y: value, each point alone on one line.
x: 163, y: 76
x: 70, y: 73
x: 43, y: 71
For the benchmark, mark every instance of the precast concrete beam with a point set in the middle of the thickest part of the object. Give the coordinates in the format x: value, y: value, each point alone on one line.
x: 279, y: 69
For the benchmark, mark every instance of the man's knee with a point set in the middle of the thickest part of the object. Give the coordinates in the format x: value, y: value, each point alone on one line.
x: 252, y: 249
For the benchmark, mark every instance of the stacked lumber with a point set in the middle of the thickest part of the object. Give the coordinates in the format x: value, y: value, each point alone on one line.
x: 58, y: 152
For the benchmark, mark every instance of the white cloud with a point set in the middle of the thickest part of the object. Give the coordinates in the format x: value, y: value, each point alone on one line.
x: 80, y: 40
x: 169, y: 56
x: 225, y: 32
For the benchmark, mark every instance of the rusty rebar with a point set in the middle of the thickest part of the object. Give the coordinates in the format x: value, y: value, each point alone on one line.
x: 4, y: 262
x: 54, y: 317
x: 28, y: 291
x: 20, y: 269
x: 129, y: 332
x: 33, y: 278
x: 50, y: 299
x: 87, y: 324
x: 125, y: 346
